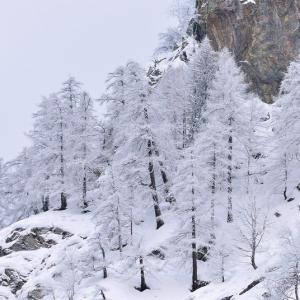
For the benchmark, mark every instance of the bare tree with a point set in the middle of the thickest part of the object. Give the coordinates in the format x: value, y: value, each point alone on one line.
x: 253, y: 223
x: 285, y: 283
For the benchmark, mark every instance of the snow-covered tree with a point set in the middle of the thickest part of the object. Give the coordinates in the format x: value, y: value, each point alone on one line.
x: 134, y: 144
x: 200, y: 74
x: 50, y: 146
x: 285, y: 281
x: 86, y: 137
x: 287, y: 128
x: 191, y: 208
x: 182, y: 11
x: 227, y: 108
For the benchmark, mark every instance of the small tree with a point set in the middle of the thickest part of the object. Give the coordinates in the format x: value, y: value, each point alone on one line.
x: 285, y: 281
x: 220, y: 254
x: 253, y: 223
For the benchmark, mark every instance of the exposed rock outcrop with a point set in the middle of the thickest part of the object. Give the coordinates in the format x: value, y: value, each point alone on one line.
x: 264, y: 36
x: 13, y: 279
x: 31, y: 241
x: 36, y: 294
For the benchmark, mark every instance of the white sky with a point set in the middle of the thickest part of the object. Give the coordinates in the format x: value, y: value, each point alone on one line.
x: 42, y: 42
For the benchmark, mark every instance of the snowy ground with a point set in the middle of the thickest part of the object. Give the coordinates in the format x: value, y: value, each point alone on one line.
x: 55, y: 270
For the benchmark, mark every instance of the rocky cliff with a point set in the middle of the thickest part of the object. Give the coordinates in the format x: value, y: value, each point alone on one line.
x: 264, y: 35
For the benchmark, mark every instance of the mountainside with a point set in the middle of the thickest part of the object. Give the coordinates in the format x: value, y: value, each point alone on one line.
x: 264, y: 35
x: 186, y: 189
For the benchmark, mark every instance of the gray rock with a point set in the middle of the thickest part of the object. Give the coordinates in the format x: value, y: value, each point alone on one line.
x: 13, y: 279
x: 30, y: 242
x: 33, y: 240
x: 265, y: 37
x: 36, y: 294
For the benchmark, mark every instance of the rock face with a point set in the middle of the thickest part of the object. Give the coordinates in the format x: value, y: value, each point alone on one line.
x: 264, y: 37
x: 33, y: 240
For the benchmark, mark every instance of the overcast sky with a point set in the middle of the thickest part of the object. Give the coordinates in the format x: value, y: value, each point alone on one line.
x: 45, y: 41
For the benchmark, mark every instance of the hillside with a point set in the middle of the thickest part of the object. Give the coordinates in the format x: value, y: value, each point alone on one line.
x: 187, y: 188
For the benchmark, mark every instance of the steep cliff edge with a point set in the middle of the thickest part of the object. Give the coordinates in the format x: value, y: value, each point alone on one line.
x: 264, y: 36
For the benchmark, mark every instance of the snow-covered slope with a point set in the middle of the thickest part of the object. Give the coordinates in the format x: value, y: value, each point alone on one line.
x: 56, y: 256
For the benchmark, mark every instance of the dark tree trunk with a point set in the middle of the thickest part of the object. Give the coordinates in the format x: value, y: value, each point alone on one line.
x: 195, y: 282
x: 223, y: 270
x: 131, y: 227
x: 297, y: 281
x: 184, y: 130
x: 84, y: 181
x: 143, y: 286
x: 213, y: 195
x: 63, y: 197
x: 229, y: 177
x: 103, y: 295
x: 253, y: 260
x: 119, y: 230
x: 169, y: 197
x: 45, y: 202
x: 63, y: 201
x: 105, y: 275
x: 157, y: 211
x: 285, y: 177
x: 252, y: 285
x: 84, y: 189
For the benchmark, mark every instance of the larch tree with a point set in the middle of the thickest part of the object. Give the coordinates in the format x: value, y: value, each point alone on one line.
x: 201, y: 72
x: 49, y: 142
x: 86, y: 136
x: 287, y: 129
x: 227, y: 104
x: 133, y: 137
x: 192, y: 236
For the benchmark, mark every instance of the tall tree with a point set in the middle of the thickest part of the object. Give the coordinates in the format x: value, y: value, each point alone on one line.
x: 287, y: 128
x: 227, y: 105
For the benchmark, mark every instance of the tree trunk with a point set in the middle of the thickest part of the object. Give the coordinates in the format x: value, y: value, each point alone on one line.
x: 131, y: 228
x: 143, y: 286
x: 285, y: 177
x: 229, y: 177
x: 223, y: 269
x: 213, y: 195
x: 195, y: 282
x: 169, y: 197
x: 105, y: 275
x: 253, y: 260
x: 119, y: 231
x: 63, y: 197
x: 84, y: 181
x: 103, y: 295
x: 184, y: 130
x: 118, y: 218
x: 248, y: 173
x: 297, y: 281
x: 157, y: 211
x: 45, y: 202
x: 84, y: 188
x: 63, y: 201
